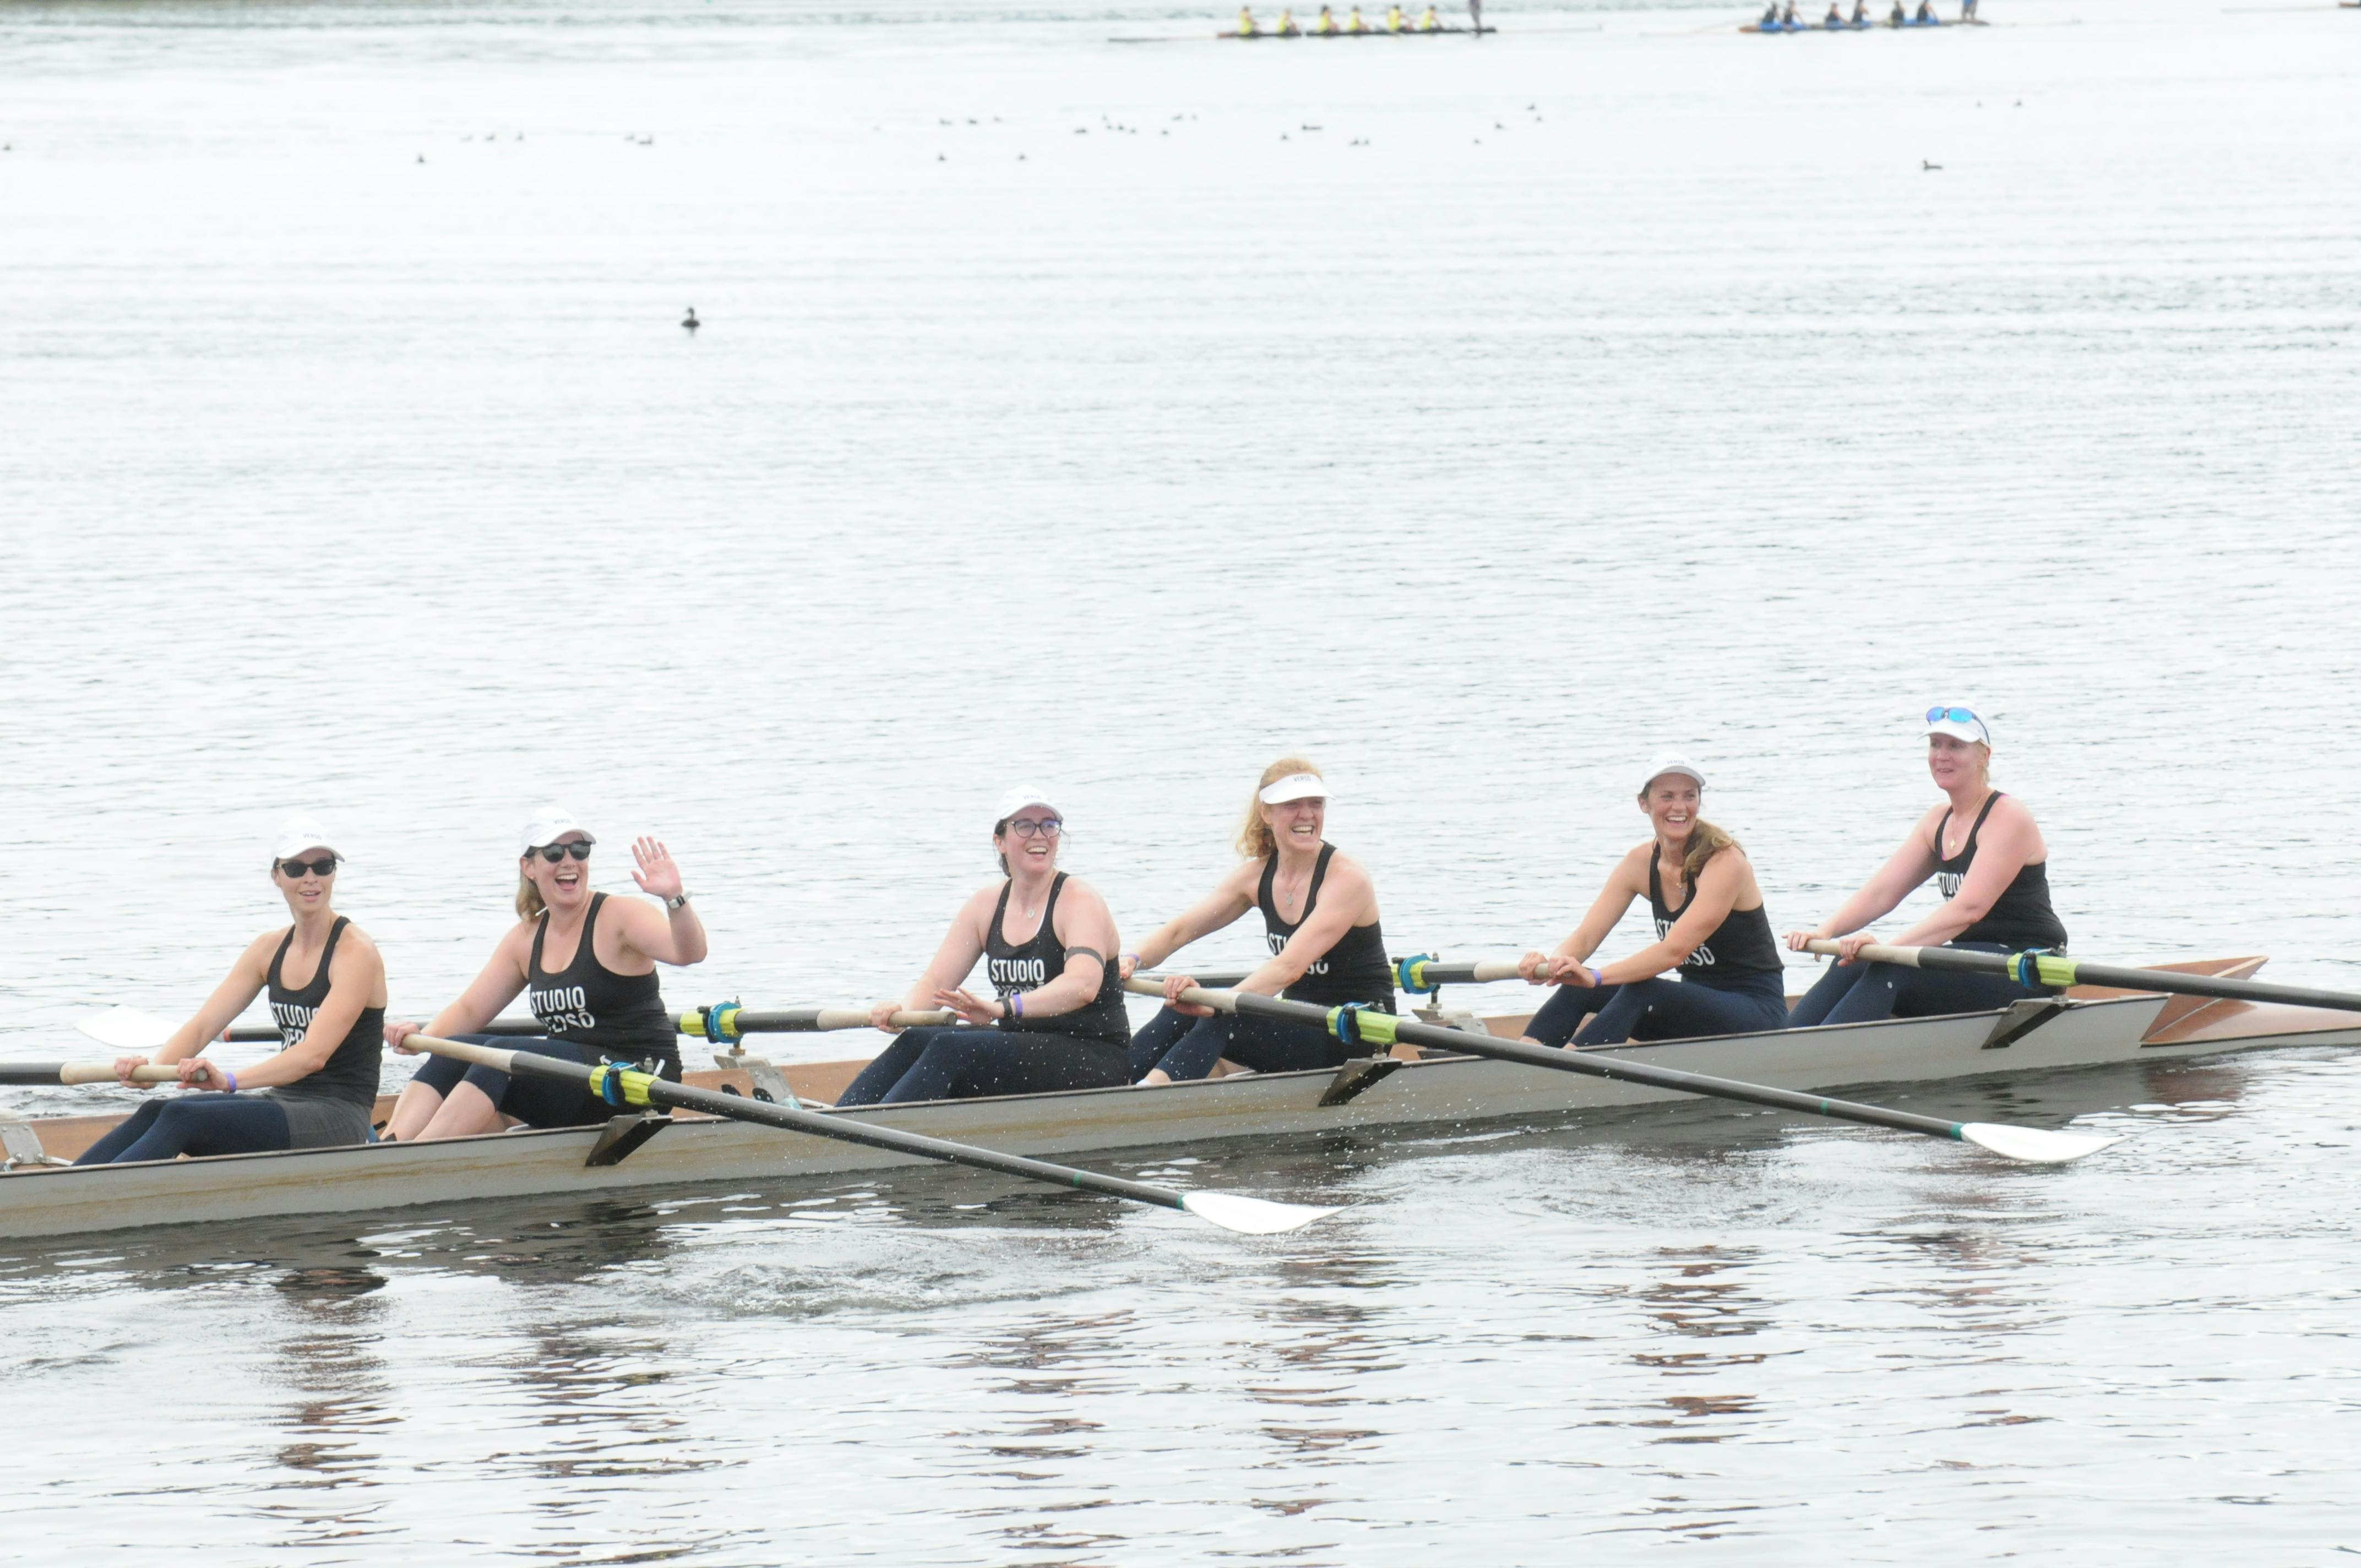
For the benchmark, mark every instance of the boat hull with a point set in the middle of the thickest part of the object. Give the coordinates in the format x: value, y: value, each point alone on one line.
x: 35, y: 1201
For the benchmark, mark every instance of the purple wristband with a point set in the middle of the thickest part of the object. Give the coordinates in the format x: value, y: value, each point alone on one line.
x: 233, y: 1079
x: 1016, y: 1004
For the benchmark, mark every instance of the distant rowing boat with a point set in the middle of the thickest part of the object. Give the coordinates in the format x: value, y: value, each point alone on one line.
x: 1364, y: 33
x: 1869, y: 27
x: 2096, y: 1029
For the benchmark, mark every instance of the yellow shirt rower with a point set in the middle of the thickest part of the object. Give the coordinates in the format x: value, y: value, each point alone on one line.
x: 1287, y: 27
x: 1247, y: 29
x: 1430, y: 23
x: 1328, y: 23
x: 1355, y: 24
x: 1393, y: 19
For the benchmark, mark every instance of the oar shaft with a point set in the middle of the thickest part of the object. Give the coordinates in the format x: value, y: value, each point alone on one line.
x: 2056, y: 968
x: 1380, y: 1028
x: 804, y: 1020
x: 80, y: 1072
x: 843, y: 1129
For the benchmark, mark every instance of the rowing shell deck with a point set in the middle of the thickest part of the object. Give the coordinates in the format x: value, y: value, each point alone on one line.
x: 37, y: 1201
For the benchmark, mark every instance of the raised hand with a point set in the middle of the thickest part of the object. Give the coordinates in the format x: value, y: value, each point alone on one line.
x: 655, y: 870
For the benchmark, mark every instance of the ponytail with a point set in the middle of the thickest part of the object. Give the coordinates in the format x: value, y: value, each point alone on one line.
x: 1706, y: 841
x: 528, y: 898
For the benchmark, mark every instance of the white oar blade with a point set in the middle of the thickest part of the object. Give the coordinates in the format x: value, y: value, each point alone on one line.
x: 2031, y: 1143
x: 1251, y: 1216
x: 126, y: 1028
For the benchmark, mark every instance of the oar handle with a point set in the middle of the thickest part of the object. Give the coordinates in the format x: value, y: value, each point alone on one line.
x: 80, y: 1072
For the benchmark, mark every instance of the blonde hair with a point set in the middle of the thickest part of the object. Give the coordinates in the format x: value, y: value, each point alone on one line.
x: 1255, y: 839
x: 528, y: 899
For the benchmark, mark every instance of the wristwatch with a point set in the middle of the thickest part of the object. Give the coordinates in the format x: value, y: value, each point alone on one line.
x: 678, y: 901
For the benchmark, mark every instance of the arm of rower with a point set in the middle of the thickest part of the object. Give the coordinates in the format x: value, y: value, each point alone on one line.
x: 238, y: 990
x: 357, y: 974
x: 1625, y: 883
x: 1911, y: 865
x: 2005, y: 845
x: 1083, y: 923
x: 1717, y: 889
x: 490, y: 991
x: 962, y: 945
x: 667, y: 936
x: 1345, y: 898
x: 1233, y: 898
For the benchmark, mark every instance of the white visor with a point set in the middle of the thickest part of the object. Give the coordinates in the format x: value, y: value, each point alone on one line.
x: 1671, y: 764
x: 1295, y: 787
x: 547, y: 825
x: 1022, y: 795
x: 297, y: 834
x: 1970, y: 728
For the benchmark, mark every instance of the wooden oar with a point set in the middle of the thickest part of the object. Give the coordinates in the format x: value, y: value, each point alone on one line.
x: 622, y: 1086
x: 1365, y: 1027
x: 2056, y: 969
x: 80, y: 1072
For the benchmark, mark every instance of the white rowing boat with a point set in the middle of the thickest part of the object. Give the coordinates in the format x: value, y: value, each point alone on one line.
x: 647, y: 1151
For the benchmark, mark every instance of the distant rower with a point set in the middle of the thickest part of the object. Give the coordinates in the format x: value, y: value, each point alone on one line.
x: 1430, y: 22
x: 1287, y: 27
x: 1247, y: 26
x: 1394, y: 22
x: 1356, y: 24
x: 1326, y: 25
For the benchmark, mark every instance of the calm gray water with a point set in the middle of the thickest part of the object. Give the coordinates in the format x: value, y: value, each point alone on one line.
x: 1077, y: 410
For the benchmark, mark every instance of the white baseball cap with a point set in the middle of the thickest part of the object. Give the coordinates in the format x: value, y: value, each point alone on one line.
x: 297, y: 834
x: 1960, y: 723
x: 1671, y: 762
x: 1295, y: 787
x: 1018, y: 799
x: 546, y: 827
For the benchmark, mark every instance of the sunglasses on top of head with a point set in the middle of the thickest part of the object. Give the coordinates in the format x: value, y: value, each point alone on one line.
x: 1956, y: 715
x: 325, y: 866
x: 553, y: 853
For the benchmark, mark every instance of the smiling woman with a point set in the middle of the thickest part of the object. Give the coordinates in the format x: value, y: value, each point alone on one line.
x: 1993, y: 866
x: 1332, y: 953
x: 1056, y: 1020
x: 598, y: 1001
x: 1717, y: 937
x: 318, y: 1089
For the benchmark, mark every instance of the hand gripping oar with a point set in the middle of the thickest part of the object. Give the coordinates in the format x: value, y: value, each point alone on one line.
x: 2037, y: 968
x: 621, y: 1086
x: 1364, y: 1025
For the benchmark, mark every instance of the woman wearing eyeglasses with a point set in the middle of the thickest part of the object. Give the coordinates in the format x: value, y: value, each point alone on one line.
x: 1056, y: 1019
x: 1332, y: 953
x: 1993, y: 867
x: 588, y: 967
x: 1718, y: 939
x: 319, y: 1089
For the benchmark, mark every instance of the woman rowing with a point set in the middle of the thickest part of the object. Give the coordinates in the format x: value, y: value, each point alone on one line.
x: 587, y: 964
x: 320, y: 1088
x: 1716, y: 938
x: 1993, y: 867
x: 1330, y: 950
x: 1056, y: 1019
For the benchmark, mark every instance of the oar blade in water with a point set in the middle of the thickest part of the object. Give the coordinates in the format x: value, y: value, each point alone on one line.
x: 126, y: 1028
x: 1250, y: 1216
x: 2032, y: 1143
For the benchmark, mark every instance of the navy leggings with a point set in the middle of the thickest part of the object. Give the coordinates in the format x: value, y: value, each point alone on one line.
x: 536, y: 1101
x: 1861, y: 994
x: 1661, y: 1009
x: 1188, y: 1047
x: 958, y: 1062
x: 200, y: 1124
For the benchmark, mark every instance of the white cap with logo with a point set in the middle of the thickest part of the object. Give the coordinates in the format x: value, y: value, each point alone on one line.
x: 1018, y: 799
x: 297, y: 834
x: 1960, y: 724
x: 1671, y: 762
x: 546, y: 827
x: 1296, y: 786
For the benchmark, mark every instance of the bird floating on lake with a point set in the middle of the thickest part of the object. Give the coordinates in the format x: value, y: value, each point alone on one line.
x: 1930, y: 167
x: 690, y: 324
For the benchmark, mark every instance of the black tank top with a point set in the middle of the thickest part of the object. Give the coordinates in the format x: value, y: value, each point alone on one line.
x: 2021, y: 916
x: 590, y: 1005
x: 351, y: 1069
x: 1353, y: 971
x: 1015, y: 968
x: 1741, y: 946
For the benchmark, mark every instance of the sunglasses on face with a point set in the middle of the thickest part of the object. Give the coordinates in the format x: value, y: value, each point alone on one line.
x: 1048, y: 828
x: 325, y: 866
x: 553, y: 853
